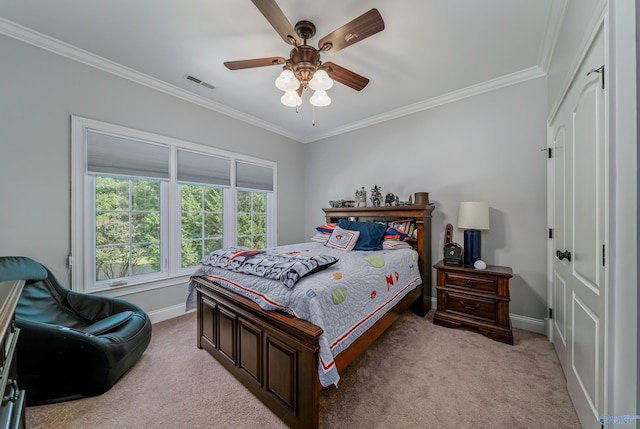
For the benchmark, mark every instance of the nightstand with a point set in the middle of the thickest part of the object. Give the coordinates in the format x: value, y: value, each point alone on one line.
x: 477, y: 299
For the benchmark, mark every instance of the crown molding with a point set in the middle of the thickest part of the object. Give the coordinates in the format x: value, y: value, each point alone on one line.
x: 555, y: 16
x: 26, y: 35
x: 470, y: 91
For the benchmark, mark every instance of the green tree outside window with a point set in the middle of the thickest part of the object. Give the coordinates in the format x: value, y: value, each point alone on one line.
x: 252, y: 219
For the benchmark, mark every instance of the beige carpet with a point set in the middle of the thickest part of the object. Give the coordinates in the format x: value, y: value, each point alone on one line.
x: 417, y: 375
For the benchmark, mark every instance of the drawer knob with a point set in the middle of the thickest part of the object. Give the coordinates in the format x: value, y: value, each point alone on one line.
x: 469, y: 283
x: 468, y: 307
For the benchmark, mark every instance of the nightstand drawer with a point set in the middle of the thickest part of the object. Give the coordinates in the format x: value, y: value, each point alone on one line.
x: 484, y: 284
x: 471, y: 306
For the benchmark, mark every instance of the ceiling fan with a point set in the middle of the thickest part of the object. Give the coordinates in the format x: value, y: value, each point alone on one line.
x: 304, y: 68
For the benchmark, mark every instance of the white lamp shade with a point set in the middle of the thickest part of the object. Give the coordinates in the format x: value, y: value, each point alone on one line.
x: 291, y: 99
x: 320, y: 99
x: 320, y: 81
x: 473, y: 215
x: 287, y: 81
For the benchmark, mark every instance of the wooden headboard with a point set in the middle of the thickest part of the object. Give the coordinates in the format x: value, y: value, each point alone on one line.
x: 421, y: 215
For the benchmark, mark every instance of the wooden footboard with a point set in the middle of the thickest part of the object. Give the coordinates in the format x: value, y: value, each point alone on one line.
x: 273, y: 354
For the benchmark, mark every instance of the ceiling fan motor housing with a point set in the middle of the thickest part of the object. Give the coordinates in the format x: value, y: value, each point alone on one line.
x: 305, y: 30
x: 304, y: 61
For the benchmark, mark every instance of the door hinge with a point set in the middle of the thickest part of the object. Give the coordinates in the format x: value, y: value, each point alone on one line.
x: 550, y: 232
x: 551, y: 313
x: 603, y: 258
x: 549, y: 153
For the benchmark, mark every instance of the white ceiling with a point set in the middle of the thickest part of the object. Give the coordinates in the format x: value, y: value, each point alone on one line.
x: 430, y: 52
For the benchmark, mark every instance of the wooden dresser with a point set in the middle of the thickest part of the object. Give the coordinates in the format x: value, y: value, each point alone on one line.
x: 13, y: 400
x: 477, y: 299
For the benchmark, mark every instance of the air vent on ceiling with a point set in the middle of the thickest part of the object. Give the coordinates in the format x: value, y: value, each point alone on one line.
x: 199, y: 81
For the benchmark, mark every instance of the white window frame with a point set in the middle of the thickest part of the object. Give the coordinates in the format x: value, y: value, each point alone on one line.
x: 82, y: 209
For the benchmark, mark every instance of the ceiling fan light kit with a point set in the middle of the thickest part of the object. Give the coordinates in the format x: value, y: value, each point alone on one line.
x: 291, y: 99
x: 304, y: 69
x: 287, y: 81
x: 320, y: 99
x: 320, y: 81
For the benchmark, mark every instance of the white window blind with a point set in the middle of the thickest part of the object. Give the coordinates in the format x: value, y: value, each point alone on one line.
x: 203, y: 169
x: 253, y: 176
x: 111, y: 155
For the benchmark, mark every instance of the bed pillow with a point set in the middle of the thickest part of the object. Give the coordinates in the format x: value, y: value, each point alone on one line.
x: 393, y: 234
x: 321, y: 237
x: 327, y: 228
x: 396, y: 244
x: 371, y: 233
x: 343, y: 239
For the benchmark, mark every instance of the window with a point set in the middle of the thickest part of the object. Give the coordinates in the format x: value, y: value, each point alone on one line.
x: 201, y: 222
x: 254, y: 184
x: 252, y: 219
x: 127, y: 227
x: 147, y: 208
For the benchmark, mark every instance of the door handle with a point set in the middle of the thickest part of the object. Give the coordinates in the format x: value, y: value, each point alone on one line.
x: 564, y: 255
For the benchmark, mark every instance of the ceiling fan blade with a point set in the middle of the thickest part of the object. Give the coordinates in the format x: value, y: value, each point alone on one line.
x: 367, y: 24
x: 278, y: 20
x: 346, y: 77
x: 256, y: 62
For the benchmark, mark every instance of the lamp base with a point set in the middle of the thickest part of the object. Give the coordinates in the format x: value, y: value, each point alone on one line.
x: 472, y: 246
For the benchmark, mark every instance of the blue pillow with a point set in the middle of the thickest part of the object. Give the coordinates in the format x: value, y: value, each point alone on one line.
x: 371, y: 233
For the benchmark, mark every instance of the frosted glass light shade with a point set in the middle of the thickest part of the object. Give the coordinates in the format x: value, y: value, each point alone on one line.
x: 287, y: 81
x: 291, y: 99
x: 320, y: 99
x: 473, y: 215
x: 320, y: 81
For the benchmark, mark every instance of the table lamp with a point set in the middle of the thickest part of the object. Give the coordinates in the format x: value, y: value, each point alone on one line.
x: 473, y: 217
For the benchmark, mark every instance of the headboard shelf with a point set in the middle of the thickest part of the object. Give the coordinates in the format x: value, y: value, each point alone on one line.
x: 421, y: 215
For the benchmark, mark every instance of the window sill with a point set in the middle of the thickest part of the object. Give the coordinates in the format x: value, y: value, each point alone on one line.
x: 132, y: 288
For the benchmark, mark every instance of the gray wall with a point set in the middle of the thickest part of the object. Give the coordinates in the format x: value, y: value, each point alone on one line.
x: 486, y: 147
x: 39, y: 91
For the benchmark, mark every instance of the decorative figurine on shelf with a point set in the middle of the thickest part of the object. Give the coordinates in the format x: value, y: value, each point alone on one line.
x: 397, y: 200
x: 410, y: 202
x: 361, y: 198
x: 376, y: 196
x: 341, y: 203
x: 389, y: 199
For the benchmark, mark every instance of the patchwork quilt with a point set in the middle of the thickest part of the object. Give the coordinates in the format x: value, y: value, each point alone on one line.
x: 344, y: 299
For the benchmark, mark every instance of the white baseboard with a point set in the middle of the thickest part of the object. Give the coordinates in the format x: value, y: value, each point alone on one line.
x: 528, y: 323
x: 167, y: 313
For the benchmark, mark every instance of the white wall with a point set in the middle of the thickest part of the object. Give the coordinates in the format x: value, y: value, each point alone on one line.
x: 486, y: 147
x: 580, y: 17
x: 39, y: 91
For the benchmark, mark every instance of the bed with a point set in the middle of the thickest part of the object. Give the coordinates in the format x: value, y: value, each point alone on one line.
x: 276, y: 355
